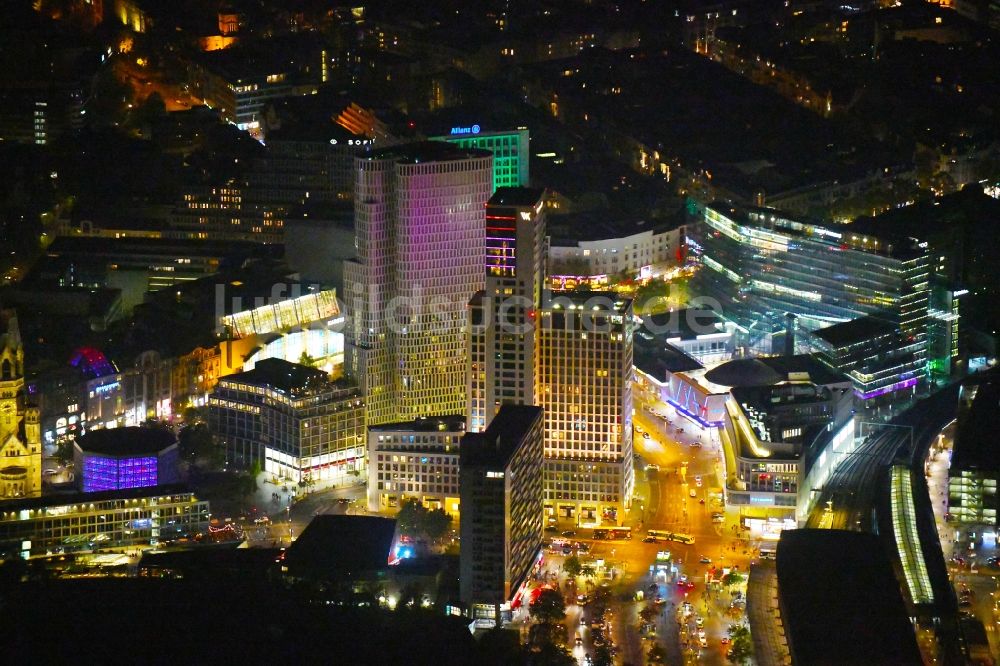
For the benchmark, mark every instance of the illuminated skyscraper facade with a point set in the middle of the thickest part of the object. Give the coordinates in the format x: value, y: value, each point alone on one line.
x: 585, y: 388
x: 419, y: 213
x: 503, y: 335
x: 510, y: 152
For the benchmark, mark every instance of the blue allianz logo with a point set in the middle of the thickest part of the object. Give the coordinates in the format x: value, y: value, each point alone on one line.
x: 475, y: 129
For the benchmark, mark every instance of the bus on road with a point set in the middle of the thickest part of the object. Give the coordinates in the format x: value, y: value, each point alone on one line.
x: 664, y: 535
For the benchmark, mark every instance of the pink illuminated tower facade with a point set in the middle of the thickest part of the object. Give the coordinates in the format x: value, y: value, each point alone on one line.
x: 419, y: 215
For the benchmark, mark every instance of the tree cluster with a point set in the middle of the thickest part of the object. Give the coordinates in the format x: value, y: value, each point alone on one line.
x: 414, y: 519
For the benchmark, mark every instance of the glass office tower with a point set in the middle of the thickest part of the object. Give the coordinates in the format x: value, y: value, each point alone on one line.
x: 761, y: 266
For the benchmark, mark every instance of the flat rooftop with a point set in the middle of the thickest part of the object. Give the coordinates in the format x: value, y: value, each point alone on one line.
x: 516, y: 196
x: 426, y: 151
x: 279, y: 374
x: 341, y: 546
x: 132, y: 441
x: 855, y: 331
x: 846, y: 609
x: 496, y: 445
x: 657, y: 358
x: 976, y: 443
x: 9, y: 509
x: 444, y: 423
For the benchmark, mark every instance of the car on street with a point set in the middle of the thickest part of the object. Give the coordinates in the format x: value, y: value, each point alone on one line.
x: 551, y: 528
x: 699, y: 622
x: 705, y: 560
x: 725, y: 640
x: 645, y: 435
x: 679, y: 431
x: 569, y: 533
x: 651, y: 467
x: 583, y: 620
x: 703, y: 641
x: 697, y: 481
x: 649, y: 540
x: 718, y: 518
x: 693, y: 493
x: 695, y: 445
x: 578, y: 641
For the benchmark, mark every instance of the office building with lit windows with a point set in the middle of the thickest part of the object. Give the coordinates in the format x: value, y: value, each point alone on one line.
x: 501, y: 495
x: 975, y: 466
x: 509, y: 148
x: 295, y: 421
x: 762, y: 266
x: 123, y: 458
x: 415, y: 460
x: 883, y: 363
x: 101, y: 520
x: 420, y: 228
x: 585, y: 387
x: 503, y: 336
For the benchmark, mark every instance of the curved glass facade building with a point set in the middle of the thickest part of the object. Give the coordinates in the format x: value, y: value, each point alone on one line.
x: 761, y: 266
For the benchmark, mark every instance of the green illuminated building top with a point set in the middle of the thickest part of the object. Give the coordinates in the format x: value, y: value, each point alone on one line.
x: 510, y: 152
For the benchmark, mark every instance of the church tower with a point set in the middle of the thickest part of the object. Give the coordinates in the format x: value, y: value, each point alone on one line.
x: 20, y: 434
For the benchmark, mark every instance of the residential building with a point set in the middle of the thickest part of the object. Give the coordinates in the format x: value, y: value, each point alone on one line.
x: 415, y: 460
x: 124, y: 458
x: 20, y: 425
x: 93, y: 521
x: 503, y: 336
x: 420, y: 240
x: 293, y: 421
x: 585, y: 388
x: 501, y: 496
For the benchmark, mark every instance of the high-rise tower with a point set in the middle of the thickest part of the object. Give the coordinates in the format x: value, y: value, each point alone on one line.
x: 503, y: 336
x: 419, y: 214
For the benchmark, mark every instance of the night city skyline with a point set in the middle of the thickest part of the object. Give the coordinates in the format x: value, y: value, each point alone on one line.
x: 576, y: 333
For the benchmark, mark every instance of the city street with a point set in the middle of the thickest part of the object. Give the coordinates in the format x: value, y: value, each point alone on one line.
x: 678, y: 489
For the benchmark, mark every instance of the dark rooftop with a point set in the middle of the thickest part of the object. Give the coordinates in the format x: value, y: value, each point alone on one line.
x: 126, y: 441
x: 657, y: 359
x: 854, y: 331
x: 341, y: 546
x: 976, y: 444
x: 279, y: 374
x: 803, y: 364
x: 444, y: 423
x: 846, y: 609
x: 427, y: 151
x: 743, y: 372
x: 686, y: 324
x: 66, y: 499
x: 572, y: 228
x: 496, y: 445
x: 516, y: 196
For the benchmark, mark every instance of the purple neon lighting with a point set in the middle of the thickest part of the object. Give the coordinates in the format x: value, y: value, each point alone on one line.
x: 898, y: 386
x: 109, y: 473
x: 693, y: 417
